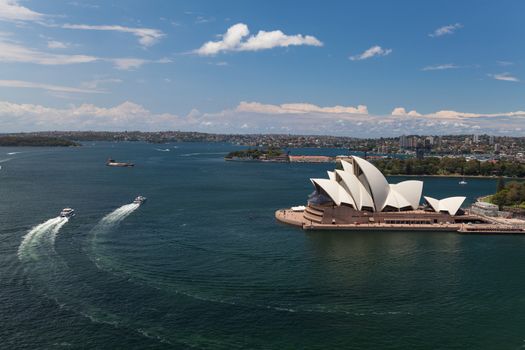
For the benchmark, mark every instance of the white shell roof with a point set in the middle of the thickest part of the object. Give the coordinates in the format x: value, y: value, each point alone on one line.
x: 450, y: 204
x: 358, y: 192
x: 335, y: 191
x: 377, y: 183
x: 362, y: 185
x: 411, y: 190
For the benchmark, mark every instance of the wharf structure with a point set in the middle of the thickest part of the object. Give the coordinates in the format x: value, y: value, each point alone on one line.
x: 358, y: 197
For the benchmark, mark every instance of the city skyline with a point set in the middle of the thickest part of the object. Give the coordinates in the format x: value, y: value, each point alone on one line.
x: 347, y: 69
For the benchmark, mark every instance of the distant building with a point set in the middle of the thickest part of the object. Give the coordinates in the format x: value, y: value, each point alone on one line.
x: 497, y: 147
x: 491, y: 140
x: 420, y: 153
x: 403, y: 141
x: 475, y: 138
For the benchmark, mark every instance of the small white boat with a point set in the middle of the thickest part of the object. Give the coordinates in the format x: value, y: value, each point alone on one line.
x: 139, y: 200
x: 463, y: 182
x: 67, y: 213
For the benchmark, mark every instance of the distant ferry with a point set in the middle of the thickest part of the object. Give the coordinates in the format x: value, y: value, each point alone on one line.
x: 139, y: 200
x: 67, y: 213
x: 112, y: 162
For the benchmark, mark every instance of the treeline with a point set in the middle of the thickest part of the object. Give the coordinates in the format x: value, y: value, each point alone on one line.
x: 35, y: 141
x: 449, y: 166
x: 256, y: 153
x: 512, y: 194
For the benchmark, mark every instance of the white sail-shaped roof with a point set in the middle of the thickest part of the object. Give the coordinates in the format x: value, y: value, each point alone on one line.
x: 335, y: 191
x: 361, y: 185
x: 450, y: 205
x: 348, y: 167
x: 356, y: 189
x: 396, y: 200
x: 377, y: 183
x: 411, y: 190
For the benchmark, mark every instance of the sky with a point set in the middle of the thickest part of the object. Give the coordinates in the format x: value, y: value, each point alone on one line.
x: 346, y: 68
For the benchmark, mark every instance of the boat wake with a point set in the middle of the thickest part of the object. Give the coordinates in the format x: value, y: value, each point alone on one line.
x: 162, y: 149
x: 40, y: 236
x: 118, y: 215
x: 104, y: 226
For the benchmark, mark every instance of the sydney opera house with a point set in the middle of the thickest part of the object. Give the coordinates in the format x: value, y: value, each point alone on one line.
x: 358, y: 195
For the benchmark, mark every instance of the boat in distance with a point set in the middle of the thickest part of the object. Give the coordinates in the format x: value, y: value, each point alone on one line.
x: 112, y: 162
x: 67, y: 213
x: 139, y: 200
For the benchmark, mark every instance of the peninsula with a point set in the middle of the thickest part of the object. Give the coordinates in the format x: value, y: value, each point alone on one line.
x: 35, y: 141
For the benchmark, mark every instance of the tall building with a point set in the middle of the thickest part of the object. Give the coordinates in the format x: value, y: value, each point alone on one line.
x: 491, y: 139
x: 403, y: 141
x: 475, y: 138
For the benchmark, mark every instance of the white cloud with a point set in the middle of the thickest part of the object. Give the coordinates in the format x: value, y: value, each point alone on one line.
x: 147, y: 36
x: 48, y: 87
x: 253, y: 117
x: 297, y: 108
x: 400, y: 111
x: 133, y: 63
x: 128, y: 115
x: 10, y: 52
x: 15, y: 53
x: 450, y: 29
x: 371, y: 52
x: 440, y: 67
x: 236, y: 39
x: 95, y: 84
x: 11, y: 10
x: 504, y: 63
x: 504, y: 76
x: 54, y: 44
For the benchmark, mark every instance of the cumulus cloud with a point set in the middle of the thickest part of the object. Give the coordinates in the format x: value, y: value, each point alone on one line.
x: 254, y: 117
x: 400, y: 111
x: 11, y: 10
x: 440, y: 67
x: 147, y: 36
x: 449, y: 29
x: 504, y: 77
x: 236, y: 39
x: 48, y: 87
x: 371, y: 52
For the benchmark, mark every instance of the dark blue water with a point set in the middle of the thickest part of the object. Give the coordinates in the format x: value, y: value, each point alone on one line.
x: 203, y: 264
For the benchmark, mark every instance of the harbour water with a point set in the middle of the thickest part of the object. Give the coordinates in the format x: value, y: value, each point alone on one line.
x: 203, y: 263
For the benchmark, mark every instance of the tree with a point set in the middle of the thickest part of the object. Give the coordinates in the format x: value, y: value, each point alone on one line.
x: 501, y: 184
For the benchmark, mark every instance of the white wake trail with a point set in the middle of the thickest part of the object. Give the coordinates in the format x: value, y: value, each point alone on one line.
x: 118, y: 214
x: 37, y: 235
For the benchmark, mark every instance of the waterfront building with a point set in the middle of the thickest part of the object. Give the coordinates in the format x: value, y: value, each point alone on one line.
x: 357, y: 196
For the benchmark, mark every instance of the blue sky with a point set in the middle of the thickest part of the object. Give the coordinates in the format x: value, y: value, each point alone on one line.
x: 355, y: 68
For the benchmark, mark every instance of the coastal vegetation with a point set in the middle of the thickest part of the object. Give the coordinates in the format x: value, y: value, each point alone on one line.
x: 511, y: 194
x: 449, y: 166
x: 36, y: 141
x: 270, y: 153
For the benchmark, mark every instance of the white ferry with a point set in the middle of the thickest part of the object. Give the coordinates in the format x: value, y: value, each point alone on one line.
x: 139, y: 200
x: 67, y: 213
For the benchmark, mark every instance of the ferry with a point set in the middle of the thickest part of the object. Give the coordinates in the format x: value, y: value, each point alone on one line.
x: 67, y: 213
x: 112, y: 162
x: 139, y: 200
